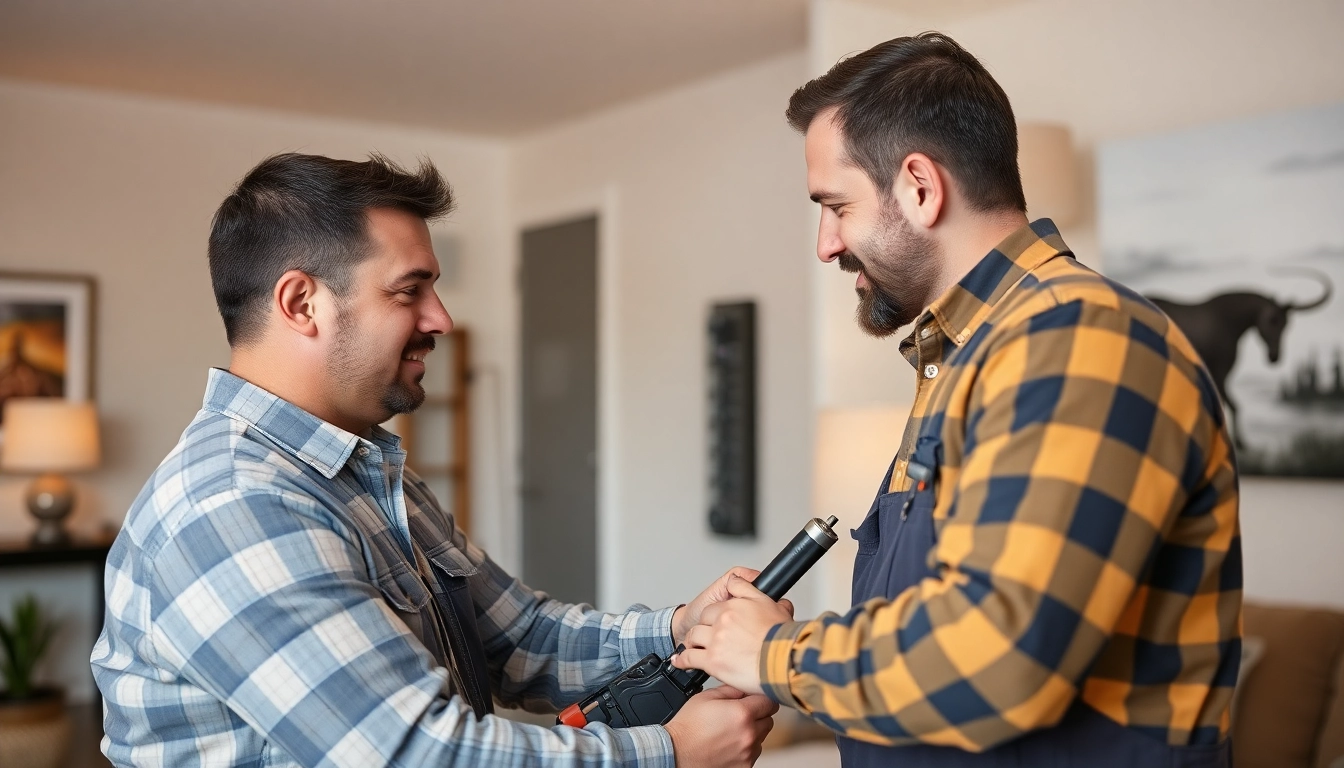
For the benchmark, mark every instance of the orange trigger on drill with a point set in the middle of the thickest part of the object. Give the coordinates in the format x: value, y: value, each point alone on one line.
x: 573, y: 716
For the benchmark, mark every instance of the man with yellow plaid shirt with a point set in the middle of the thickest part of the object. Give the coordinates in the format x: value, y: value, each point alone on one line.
x: 1051, y: 571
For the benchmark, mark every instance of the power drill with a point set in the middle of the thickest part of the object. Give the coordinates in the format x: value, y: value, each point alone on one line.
x: 652, y: 691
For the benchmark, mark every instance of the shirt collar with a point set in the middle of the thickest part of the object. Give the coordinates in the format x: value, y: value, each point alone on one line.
x: 323, y: 446
x: 963, y: 307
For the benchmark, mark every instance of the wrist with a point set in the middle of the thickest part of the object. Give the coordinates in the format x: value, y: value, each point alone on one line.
x: 678, y: 631
x: 674, y: 735
x: 774, y: 665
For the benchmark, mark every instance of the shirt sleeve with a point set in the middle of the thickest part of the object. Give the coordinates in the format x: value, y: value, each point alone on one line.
x: 545, y: 654
x: 1080, y: 448
x: 262, y: 600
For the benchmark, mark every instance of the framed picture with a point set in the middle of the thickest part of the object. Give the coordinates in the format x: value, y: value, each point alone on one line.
x: 1235, y: 230
x: 46, y: 337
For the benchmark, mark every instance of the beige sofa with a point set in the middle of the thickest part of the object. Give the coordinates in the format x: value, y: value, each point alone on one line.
x: 1290, y: 706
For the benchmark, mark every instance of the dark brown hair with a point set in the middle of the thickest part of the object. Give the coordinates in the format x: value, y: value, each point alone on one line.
x: 306, y: 212
x: 921, y: 94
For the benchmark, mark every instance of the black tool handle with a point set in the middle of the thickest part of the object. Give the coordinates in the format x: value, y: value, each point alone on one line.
x: 781, y: 574
x: 652, y: 691
x: 791, y: 563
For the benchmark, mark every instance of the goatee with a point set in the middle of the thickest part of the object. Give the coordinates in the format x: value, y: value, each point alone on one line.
x: 400, y: 397
x: 879, y: 313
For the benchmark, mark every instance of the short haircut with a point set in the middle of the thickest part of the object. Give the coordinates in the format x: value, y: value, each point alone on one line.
x: 309, y: 213
x: 921, y: 94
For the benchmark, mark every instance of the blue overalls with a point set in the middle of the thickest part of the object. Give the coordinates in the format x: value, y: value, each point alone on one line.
x: 895, y: 540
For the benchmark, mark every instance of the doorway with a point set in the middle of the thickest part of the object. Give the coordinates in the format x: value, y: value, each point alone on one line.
x: 558, y: 286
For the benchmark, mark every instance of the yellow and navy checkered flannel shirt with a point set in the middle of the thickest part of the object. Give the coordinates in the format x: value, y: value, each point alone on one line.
x: 1086, y: 517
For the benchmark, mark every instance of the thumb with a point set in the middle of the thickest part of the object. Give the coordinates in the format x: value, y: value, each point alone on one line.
x: 743, y: 573
x: 721, y: 692
x: 759, y: 706
x: 739, y: 587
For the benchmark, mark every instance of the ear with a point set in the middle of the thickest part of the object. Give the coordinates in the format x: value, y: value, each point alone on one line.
x: 921, y: 190
x: 293, y: 302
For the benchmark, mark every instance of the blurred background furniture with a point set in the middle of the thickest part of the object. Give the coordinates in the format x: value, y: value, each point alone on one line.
x: 49, y: 436
x: 1290, y: 711
x: 73, y: 551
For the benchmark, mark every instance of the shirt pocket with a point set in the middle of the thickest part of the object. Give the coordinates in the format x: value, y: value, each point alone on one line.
x: 451, y: 561
x: 403, y: 589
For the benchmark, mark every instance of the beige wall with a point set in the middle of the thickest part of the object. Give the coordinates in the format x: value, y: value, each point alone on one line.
x: 700, y: 192
x: 1111, y: 70
x: 123, y: 188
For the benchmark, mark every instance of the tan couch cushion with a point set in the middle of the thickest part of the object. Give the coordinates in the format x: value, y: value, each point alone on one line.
x: 1331, y: 749
x: 1283, y: 706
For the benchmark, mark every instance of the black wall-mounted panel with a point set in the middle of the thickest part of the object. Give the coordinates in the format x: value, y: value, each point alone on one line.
x: 732, y: 419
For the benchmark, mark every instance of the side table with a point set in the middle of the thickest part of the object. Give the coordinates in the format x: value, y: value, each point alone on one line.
x: 20, y: 553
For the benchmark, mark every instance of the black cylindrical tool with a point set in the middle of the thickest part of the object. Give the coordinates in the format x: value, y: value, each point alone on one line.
x: 791, y: 563
x: 780, y: 575
x: 651, y: 692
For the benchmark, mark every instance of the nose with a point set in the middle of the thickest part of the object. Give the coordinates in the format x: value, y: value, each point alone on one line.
x: 435, y: 318
x: 829, y: 244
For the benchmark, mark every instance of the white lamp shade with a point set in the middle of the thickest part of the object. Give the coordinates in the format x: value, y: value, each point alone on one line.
x: 853, y: 450
x: 49, y: 434
x: 1049, y: 173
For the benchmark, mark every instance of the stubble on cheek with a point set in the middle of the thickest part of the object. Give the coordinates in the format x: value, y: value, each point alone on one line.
x: 901, y: 268
x: 360, y: 369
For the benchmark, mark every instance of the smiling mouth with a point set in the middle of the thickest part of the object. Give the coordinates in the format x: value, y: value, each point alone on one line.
x: 416, y: 354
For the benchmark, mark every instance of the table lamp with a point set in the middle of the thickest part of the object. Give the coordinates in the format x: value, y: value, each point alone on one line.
x: 49, y: 435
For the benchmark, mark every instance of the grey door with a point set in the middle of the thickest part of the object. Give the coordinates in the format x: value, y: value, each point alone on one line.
x: 559, y: 409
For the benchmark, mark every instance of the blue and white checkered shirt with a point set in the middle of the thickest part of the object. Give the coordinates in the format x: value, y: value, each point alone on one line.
x: 266, y: 606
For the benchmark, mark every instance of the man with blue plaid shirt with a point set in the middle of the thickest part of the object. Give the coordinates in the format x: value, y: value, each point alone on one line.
x: 286, y: 593
x: 1050, y: 574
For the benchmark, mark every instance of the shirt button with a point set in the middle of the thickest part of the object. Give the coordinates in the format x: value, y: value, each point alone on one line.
x: 363, y: 451
x: 930, y: 371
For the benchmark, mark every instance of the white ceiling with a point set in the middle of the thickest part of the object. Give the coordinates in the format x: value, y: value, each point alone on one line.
x: 498, y: 67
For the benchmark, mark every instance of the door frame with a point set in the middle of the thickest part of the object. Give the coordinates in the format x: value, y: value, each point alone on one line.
x: 603, y: 203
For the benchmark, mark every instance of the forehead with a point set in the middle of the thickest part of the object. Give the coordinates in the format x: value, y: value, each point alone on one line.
x: 829, y: 169
x: 400, y: 241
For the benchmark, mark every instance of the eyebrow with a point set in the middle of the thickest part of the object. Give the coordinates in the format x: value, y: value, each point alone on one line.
x: 817, y: 197
x: 415, y: 274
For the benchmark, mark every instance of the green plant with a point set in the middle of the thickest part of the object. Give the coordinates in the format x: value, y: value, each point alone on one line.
x: 24, y: 642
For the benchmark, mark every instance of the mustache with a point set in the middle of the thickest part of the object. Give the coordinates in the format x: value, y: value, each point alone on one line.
x: 850, y: 263
x: 426, y: 343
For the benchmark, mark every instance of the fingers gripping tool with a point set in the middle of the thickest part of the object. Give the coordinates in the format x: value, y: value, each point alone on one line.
x: 652, y: 691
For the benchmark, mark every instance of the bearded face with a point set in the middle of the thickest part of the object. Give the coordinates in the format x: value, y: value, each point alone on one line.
x: 375, y: 367
x: 901, y: 269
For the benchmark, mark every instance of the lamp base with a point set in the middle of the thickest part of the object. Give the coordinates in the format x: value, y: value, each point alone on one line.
x: 50, y: 499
